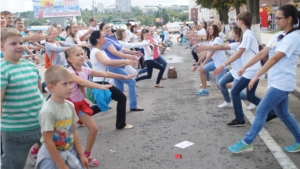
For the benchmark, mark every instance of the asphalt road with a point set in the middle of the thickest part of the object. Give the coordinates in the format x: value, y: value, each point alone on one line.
x: 175, y: 114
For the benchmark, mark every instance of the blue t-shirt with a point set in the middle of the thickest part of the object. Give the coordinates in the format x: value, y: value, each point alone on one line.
x: 116, y: 44
x: 1, y: 54
x: 24, y: 35
x: 162, y: 31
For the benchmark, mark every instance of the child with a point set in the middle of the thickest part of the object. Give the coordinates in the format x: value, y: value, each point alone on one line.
x: 76, y: 58
x: 21, y: 101
x: 61, y: 145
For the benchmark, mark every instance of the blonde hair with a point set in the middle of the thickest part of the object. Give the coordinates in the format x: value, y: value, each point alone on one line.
x: 56, y: 73
x: 69, y: 52
x: 120, y: 34
x: 9, y: 32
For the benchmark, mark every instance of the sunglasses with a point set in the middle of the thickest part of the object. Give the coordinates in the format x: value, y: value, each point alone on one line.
x: 280, y: 37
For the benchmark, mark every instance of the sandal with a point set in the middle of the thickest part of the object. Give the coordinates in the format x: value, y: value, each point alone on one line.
x: 128, y: 126
x: 159, y: 86
x: 137, y: 109
x: 163, y: 78
x: 93, y: 162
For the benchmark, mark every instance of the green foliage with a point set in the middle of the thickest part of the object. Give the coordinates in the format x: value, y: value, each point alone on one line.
x: 222, y: 6
x: 136, y: 14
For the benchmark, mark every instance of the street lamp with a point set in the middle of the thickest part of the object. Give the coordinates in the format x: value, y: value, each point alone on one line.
x: 93, y: 1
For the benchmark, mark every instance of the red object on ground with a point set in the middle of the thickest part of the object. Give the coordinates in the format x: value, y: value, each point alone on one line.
x: 178, y: 155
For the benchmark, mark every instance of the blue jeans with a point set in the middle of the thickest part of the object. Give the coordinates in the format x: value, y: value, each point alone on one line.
x: 279, y: 101
x: 211, y: 67
x: 227, y: 78
x: 235, y: 94
x: 207, y: 73
x: 160, y: 60
x: 119, y: 83
x: 152, y: 64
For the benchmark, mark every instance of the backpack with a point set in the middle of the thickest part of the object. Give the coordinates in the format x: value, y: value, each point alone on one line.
x: 48, y: 61
x: 261, y: 47
x: 172, y: 73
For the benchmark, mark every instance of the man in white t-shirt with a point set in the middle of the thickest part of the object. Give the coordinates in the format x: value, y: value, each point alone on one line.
x: 93, y: 24
x: 167, y: 40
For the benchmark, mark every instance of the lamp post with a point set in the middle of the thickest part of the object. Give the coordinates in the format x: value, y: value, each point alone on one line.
x: 93, y: 1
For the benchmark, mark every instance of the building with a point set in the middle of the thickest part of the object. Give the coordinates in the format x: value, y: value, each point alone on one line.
x: 111, y: 8
x: 194, y: 14
x: 146, y: 9
x: 198, y: 14
x: 100, y: 7
x: 123, y: 5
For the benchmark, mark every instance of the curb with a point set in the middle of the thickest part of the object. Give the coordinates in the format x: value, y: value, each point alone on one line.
x: 296, y: 92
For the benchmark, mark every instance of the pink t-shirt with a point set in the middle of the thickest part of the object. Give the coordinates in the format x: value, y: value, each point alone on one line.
x: 77, y: 95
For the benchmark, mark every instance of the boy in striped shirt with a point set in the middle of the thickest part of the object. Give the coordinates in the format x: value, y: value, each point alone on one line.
x: 21, y: 101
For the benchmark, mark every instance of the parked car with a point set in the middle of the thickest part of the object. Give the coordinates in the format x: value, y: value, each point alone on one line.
x: 173, y: 27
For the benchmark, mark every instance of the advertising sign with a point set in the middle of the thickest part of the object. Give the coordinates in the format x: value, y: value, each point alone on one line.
x: 55, y: 8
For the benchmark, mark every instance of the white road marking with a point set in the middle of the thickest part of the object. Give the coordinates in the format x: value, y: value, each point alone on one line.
x: 279, y: 154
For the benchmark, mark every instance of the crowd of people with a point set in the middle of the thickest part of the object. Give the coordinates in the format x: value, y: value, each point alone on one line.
x: 99, y: 58
x: 75, y: 59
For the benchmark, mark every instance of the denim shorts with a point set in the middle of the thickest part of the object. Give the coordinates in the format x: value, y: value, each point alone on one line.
x: 81, y: 113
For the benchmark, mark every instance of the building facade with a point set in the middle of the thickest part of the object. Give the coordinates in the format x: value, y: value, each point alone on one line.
x: 123, y: 5
x: 100, y: 7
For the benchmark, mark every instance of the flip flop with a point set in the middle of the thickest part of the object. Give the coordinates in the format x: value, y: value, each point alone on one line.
x: 159, y: 86
x: 137, y: 109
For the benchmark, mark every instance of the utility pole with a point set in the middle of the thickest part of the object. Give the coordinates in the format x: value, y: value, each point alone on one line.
x: 93, y: 8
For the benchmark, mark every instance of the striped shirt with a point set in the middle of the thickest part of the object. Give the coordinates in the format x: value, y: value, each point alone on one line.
x: 22, y: 100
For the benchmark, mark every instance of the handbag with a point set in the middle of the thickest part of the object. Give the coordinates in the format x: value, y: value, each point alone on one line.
x: 89, y: 95
x: 102, y: 97
x: 172, y: 73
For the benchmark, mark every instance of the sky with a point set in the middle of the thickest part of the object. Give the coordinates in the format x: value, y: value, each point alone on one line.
x: 26, y: 5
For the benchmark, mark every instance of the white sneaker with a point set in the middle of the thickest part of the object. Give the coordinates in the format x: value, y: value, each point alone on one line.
x: 225, y: 104
x: 251, y: 106
x: 207, y: 84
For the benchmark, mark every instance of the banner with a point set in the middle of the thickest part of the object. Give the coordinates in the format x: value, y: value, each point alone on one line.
x: 159, y: 20
x: 55, y: 8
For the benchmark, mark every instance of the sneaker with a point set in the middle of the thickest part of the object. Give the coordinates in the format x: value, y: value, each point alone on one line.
x: 225, y: 104
x: 207, y: 84
x: 203, y: 92
x: 33, y: 155
x: 43, y: 90
x: 251, y: 106
x: 240, y: 147
x: 271, y: 116
x: 237, y: 123
x: 293, y: 148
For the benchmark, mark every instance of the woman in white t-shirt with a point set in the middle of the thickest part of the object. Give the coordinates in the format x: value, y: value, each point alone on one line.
x: 218, y: 58
x: 121, y: 37
x: 246, y: 50
x: 100, y: 61
x: 283, y: 50
x: 74, y: 39
x: 218, y: 23
x: 150, y: 62
x: 133, y: 38
x: 231, y: 76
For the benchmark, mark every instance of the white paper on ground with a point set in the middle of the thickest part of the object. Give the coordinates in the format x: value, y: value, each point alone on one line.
x: 184, y: 144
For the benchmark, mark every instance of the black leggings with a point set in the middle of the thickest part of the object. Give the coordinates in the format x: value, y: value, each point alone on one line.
x: 195, y: 55
x: 120, y: 97
x: 151, y: 64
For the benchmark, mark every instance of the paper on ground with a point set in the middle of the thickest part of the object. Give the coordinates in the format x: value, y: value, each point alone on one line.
x: 184, y: 144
